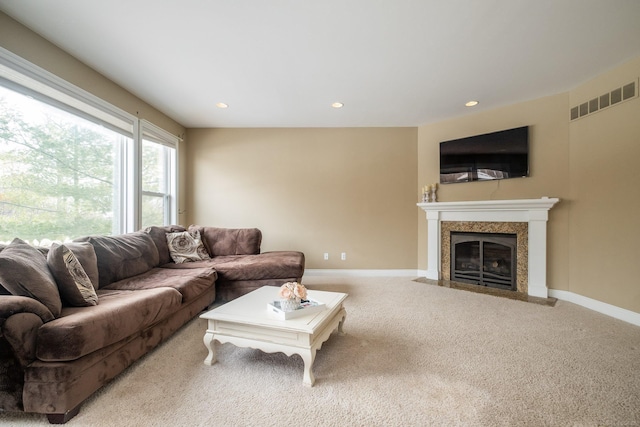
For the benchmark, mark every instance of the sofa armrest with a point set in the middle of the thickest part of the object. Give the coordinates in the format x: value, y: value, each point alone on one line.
x: 20, y: 319
x: 11, y: 304
x: 229, y: 241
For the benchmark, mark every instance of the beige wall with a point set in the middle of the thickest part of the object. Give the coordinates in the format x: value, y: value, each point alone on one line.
x: 25, y: 43
x: 605, y: 206
x: 590, y: 164
x: 315, y: 190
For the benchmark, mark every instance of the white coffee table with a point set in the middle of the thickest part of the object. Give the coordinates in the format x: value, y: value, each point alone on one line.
x: 245, y: 322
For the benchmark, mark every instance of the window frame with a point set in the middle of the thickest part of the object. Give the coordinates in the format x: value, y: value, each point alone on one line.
x: 22, y: 76
x: 152, y: 133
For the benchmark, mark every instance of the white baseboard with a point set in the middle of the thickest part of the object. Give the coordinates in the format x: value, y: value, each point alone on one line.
x: 361, y: 273
x: 599, y: 306
x: 592, y: 304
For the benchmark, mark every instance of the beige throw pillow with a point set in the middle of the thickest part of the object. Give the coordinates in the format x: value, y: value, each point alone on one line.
x: 186, y: 246
x: 73, y: 282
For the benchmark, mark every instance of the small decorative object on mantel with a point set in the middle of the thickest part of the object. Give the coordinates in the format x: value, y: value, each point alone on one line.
x: 429, y: 193
x: 426, y: 190
x: 434, y: 196
x: 291, y: 294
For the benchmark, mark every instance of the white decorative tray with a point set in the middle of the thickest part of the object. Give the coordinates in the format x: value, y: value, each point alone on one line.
x: 307, y: 307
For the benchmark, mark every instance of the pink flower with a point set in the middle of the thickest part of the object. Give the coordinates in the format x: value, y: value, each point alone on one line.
x: 300, y: 291
x: 286, y: 293
x: 291, y: 290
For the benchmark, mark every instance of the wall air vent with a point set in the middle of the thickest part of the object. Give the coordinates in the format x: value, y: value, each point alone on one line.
x: 609, y: 99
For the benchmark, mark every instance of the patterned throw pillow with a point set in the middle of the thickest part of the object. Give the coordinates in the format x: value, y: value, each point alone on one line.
x: 73, y: 282
x: 186, y: 246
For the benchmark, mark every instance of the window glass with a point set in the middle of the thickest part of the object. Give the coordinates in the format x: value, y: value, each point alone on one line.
x: 156, y: 205
x: 153, y: 210
x: 60, y: 175
x: 153, y: 167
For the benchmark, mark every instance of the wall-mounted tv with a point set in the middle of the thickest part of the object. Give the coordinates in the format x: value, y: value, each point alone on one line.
x: 496, y: 155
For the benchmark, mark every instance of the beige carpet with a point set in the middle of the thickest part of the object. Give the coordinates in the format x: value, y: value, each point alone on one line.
x: 414, y: 355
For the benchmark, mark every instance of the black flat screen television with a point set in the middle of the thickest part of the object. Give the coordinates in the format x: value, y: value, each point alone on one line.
x: 496, y: 155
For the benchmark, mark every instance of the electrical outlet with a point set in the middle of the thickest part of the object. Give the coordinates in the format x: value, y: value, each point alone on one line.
x: 326, y: 256
x: 343, y: 256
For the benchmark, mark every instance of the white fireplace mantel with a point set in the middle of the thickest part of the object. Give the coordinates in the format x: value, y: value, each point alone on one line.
x: 535, y: 212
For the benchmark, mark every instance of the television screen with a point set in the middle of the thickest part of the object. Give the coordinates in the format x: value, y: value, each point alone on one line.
x: 496, y: 155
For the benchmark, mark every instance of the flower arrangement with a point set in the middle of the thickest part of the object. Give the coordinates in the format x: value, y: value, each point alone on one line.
x: 293, y: 290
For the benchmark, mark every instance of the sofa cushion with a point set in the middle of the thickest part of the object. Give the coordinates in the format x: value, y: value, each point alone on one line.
x: 123, y: 256
x: 267, y: 265
x: 159, y: 236
x: 82, y: 330
x: 186, y: 246
x: 230, y: 241
x: 73, y: 282
x: 24, y: 272
x: 191, y: 283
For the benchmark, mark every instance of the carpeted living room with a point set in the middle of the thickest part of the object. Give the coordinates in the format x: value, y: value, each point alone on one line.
x: 496, y: 292
x: 412, y: 354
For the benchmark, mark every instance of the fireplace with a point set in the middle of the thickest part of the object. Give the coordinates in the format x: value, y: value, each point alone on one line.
x: 486, y: 259
x: 525, y: 217
x: 520, y: 230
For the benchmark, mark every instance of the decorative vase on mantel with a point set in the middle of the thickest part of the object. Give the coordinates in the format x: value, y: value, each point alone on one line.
x: 429, y: 193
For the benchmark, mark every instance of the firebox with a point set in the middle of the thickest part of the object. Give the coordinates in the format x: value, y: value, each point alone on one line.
x: 486, y: 259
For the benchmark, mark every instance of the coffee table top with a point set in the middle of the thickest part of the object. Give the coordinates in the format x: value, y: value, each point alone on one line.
x: 251, y: 309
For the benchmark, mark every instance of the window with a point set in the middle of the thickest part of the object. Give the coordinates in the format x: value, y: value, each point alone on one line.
x: 73, y: 165
x: 57, y: 172
x: 158, y: 203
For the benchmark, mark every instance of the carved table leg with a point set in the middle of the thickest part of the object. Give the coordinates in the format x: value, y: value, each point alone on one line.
x: 308, y: 359
x: 211, y: 346
x: 341, y: 324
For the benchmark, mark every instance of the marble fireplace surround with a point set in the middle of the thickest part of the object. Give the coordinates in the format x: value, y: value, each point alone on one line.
x: 517, y: 228
x: 502, y: 216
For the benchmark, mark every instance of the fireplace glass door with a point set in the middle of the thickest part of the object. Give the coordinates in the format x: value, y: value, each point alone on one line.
x: 486, y: 259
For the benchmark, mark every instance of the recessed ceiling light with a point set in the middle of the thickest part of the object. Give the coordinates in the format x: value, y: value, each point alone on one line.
x: 471, y: 104
x: 222, y: 105
x: 337, y: 105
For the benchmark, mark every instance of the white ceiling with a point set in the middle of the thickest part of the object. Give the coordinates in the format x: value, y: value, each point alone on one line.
x: 281, y: 63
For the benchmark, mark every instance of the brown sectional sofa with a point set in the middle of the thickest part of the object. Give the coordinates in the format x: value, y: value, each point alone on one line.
x: 53, y: 355
x: 241, y: 267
